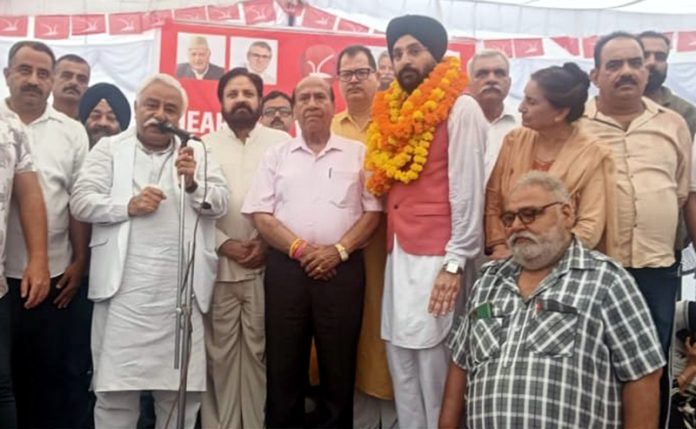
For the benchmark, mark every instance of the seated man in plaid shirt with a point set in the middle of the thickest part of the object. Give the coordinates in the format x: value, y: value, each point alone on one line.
x: 557, y: 336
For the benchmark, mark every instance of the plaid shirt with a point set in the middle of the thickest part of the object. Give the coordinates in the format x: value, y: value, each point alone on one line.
x: 558, y: 359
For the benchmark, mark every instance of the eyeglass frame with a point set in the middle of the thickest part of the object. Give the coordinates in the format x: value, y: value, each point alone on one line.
x: 281, y: 111
x: 367, y: 71
x: 536, y: 212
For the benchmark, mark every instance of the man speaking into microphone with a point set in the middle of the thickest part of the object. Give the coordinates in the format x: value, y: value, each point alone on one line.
x: 129, y: 190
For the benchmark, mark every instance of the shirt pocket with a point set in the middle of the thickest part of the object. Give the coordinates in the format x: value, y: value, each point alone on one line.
x: 343, y: 188
x: 552, y: 330
x: 487, y: 337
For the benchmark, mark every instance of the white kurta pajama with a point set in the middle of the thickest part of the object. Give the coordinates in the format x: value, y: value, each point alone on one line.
x: 133, y: 329
x: 416, y: 352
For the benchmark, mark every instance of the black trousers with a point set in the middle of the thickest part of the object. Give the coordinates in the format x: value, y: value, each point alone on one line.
x: 297, y: 309
x: 49, y: 379
x: 660, y: 287
x: 8, y: 415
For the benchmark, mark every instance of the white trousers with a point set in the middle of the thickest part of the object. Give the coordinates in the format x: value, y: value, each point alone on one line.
x: 121, y: 409
x: 419, y: 382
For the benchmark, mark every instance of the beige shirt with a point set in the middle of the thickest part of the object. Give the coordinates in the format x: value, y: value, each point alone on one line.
x: 58, y: 145
x: 653, y: 158
x: 239, y: 161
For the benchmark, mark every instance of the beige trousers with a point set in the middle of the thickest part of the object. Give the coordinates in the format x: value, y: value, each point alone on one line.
x: 236, y: 364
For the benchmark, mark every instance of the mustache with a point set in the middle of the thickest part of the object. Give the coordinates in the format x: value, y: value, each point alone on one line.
x: 624, y: 80
x: 72, y: 88
x: 151, y: 121
x: 277, y: 121
x: 241, y: 106
x: 407, y: 69
x: 31, y: 88
x: 492, y: 87
x: 522, y: 234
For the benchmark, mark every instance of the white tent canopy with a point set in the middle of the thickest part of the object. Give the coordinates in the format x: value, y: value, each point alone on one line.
x: 125, y: 60
x: 462, y: 17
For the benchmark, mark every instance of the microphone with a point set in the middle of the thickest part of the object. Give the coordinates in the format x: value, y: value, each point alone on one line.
x: 168, y: 127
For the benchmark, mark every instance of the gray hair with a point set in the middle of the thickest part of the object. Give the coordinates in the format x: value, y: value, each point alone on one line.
x: 166, y: 80
x: 487, y: 53
x: 545, y: 181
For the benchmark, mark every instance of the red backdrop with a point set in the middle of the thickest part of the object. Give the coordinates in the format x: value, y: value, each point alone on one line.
x: 298, y: 54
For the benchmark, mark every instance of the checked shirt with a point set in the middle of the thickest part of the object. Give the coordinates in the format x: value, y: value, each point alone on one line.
x: 558, y: 359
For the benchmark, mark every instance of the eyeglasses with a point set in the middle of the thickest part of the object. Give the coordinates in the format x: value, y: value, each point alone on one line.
x: 360, y: 74
x: 260, y: 56
x: 527, y: 215
x: 283, y: 112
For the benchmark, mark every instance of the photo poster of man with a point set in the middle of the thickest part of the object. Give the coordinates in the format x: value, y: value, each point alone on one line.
x: 282, y: 57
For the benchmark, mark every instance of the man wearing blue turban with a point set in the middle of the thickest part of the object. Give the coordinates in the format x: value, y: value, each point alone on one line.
x: 104, y: 111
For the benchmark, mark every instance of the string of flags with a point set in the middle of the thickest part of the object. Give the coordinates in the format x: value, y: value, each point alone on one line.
x: 265, y: 12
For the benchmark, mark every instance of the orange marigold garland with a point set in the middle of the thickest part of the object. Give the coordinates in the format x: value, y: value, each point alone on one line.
x: 403, y: 125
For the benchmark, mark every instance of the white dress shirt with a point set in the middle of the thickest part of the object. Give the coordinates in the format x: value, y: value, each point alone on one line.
x: 58, y: 145
x: 497, y: 131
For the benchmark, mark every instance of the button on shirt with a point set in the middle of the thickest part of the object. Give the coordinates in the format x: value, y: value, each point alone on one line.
x: 652, y: 159
x: 239, y: 162
x: 319, y: 197
x: 14, y: 159
x: 557, y: 359
x: 59, y: 146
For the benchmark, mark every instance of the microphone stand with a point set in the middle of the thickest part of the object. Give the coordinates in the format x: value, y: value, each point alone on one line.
x: 184, y: 300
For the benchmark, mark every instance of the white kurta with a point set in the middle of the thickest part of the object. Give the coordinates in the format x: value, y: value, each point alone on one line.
x: 133, y: 333
x: 409, y: 278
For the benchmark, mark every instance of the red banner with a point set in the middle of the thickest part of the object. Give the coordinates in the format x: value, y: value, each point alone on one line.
x: 155, y: 19
x: 528, y: 48
x: 588, y: 44
x: 52, y: 27
x: 570, y: 44
x: 317, y: 18
x: 293, y: 55
x: 87, y: 24
x: 503, y: 45
x: 258, y: 12
x: 223, y: 13
x: 14, y: 26
x: 191, y: 13
x: 125, y: 23
x: 686, y: 41
x: 352, y: 27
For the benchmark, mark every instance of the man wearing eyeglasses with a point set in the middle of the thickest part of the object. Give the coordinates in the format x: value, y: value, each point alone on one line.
x: 234, y: 327
x: 554, y: 336
x: 276, y: 111
x: 374, y: 397
x: 259, y: 56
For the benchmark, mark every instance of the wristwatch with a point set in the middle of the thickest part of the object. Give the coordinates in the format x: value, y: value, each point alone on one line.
x: 452, y: 268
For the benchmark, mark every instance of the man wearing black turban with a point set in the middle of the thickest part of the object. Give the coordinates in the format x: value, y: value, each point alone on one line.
x: 104, y: 111
x: 434, y: 209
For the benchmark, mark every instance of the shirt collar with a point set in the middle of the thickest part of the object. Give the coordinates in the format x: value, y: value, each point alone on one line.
x: 592, y: 112
x: 49, y: 113
x: 344, y: 116
x: 200, y: 75
x: 508, y: 113
x: 298, y: 143
x: 254, y: 131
